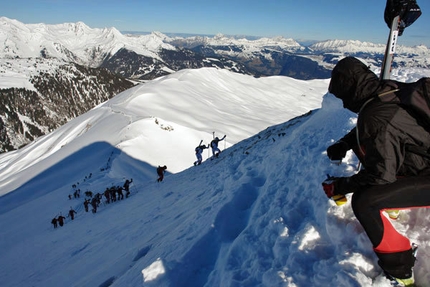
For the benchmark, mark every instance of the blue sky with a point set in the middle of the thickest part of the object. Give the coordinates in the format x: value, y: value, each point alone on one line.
x: 301, y: 20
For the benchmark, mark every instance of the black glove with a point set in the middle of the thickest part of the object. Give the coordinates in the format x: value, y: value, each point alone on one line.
x: 408, y: 10
x: 329, y: 185
x: 337, y: 151
x: 335, y: 186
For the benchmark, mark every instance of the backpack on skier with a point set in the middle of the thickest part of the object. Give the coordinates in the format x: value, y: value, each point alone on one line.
x: 414, y: 97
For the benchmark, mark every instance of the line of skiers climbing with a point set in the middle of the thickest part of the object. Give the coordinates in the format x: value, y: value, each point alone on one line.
x: 111, y: 194
x: 60, y: 220
x: 115, y: 193
x: 76, y: 194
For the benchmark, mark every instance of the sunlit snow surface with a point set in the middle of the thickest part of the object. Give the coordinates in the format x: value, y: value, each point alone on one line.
x: 255, y: 216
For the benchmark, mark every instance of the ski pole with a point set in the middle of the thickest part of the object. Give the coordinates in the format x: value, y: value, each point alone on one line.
x: 132, y: 185
x: 390, y: 49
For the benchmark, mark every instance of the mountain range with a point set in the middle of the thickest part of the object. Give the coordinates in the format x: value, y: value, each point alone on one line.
x: 146, y: 56
x: 67, y: 69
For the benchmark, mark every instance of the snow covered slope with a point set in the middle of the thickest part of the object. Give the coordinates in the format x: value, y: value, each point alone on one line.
x: 161, y: 122
x: 256, y: 216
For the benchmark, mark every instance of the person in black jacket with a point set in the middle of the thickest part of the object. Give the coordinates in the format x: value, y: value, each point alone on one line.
x: 54, y: 222
x: 72, y: 213
x: 61, y: 219
x: 392, y: 177
x: 127, y: 187
x: 160, y: 171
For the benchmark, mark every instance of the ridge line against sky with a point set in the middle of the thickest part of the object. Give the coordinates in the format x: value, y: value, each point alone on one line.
x: 303, y: 21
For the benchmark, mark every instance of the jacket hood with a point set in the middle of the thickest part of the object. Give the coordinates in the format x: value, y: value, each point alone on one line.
x: 353, y: 83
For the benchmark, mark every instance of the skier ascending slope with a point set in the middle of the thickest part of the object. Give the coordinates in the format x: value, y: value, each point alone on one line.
x: 199, y: 150
x: 393, y: 176
x: 72, y: 213
x: 214, y: 145
x: 160, y: 171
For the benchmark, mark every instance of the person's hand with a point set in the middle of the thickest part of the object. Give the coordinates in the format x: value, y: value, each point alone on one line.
x: 328, y: 188
x: 337, y: 151
x: 408, y: 10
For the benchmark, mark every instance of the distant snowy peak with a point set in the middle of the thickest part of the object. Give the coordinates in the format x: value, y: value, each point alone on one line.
x: 72, y: 42
x: 223, y: 40
x: 346, y: 45
x: 355, y: 46
x: 278, y: 41
x: 80, y: 28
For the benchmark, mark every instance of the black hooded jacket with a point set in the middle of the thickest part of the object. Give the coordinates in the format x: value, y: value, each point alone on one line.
x: 384, y: 130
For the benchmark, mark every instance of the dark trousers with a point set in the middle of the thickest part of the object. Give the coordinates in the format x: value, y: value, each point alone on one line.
x: 393, y: 249
x: 160, y: 177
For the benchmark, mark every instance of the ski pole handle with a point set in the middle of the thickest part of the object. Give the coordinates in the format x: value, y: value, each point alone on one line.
x: 339, y: 199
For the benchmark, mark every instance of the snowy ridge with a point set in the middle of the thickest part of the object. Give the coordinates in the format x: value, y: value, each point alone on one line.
x: 224, y: 40
x: 219, y: 102
x: 79, y: 43
x: 354, y: 46
x: 256, y: 216
x: 347, y: 45
x: 74, y: 42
